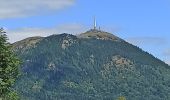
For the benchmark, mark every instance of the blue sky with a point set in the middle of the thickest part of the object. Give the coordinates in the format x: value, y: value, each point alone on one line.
x: 144, y: 23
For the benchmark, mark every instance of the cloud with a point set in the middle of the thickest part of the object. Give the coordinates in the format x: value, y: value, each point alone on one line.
x: 166, y: 52
x: 166, y: 56
x: 167, y: 62
x: 23, y: 8
x: 155, y: 45
x: 147, y: 40
x: 22, y: 33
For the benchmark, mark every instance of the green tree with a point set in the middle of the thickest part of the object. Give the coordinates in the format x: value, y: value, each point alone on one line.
x: 121, y: 98
x: 9, y: 67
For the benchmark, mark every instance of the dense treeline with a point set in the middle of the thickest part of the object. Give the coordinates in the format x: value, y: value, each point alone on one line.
x: 91, y: 69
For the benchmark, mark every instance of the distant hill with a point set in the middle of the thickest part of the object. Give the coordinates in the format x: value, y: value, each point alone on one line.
x: 94, y: 65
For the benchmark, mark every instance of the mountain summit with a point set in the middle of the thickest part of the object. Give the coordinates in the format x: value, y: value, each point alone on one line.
x: 98, y: 34
x: 94, y: 65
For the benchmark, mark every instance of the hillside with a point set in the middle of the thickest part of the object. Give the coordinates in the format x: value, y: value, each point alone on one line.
x: 95, y: 65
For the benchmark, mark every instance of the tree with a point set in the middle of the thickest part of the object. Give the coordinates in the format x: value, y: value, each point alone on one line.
x: 121, y: 98
x: 9, y: 66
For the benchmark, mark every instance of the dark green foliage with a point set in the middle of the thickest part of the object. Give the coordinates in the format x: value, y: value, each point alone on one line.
x: 8, y: 66
x: 91, y: 69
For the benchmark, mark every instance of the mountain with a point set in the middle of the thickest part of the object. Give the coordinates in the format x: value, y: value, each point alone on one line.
x: 25, y: 44
x: 98, y: 34
x: 94, y: 65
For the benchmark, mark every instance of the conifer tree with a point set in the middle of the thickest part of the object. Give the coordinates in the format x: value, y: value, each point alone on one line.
x: 9, y: 66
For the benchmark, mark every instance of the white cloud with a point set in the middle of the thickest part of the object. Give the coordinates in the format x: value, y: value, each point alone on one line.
x: 167, y: 52
x: 154, y: 45
x: 22, y: 8
x: 167, y: 62
x: 147, y: 40
x: 22, y: 33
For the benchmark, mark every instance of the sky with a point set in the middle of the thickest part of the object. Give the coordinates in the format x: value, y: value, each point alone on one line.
x: 144, y: 23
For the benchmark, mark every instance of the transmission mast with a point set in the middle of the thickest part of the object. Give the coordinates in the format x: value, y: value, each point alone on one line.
x: 95, y: 23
